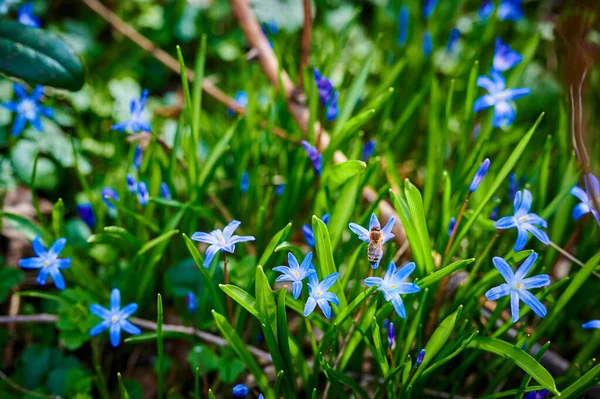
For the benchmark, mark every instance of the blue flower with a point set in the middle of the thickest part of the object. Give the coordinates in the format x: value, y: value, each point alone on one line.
x: 427, y: 44
x: 28, y: 109
x: 393, y: 285
x: 541, y: 394
x: 142, y: 193
x: 451, y: 225
x: 109, y: 193
x: 498, y: 98
x: 316, y: 159
x: 48, y: 262
x: 241, y: 98
x: 86, y: 213
x: 586, y: 205
x: 494, y: 213
x: 223, y: 241
x: 524, y: 221
x: 115, y: 319
x: 509, y: 10
x: 191, y: 302
x: 324, y: 87
x: 296, y: 272
x: 591, y: 324
x: 137, y: 157
x: 131, y: 183
x: 403, y: 26
x: 504, y: 57
x: 244, y: 183
x: 137, y: 121
x: 368, y: 149
x: 452, y: 40
x: 26, y: 17
x: 517, y: 285
x: 479, y: 175
x: 318, y: 294
x: 428, y: 8
x: 164, y: 191
x: 420, y: 357
x: 308, y: 233
x: 333, y: 110
x: 240, y: 390
x: 363, y: 234
x: 391, y: 336
x: 279, y: 189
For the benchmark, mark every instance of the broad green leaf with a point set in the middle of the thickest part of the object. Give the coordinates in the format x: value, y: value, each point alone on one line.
x: 284, y: 341
x: 519, y: 357
x: 379, y: 353
x: 242, y: 351
x: 343, y: 209
x: 414, y: 325
x: 265, y: 301
x: 326, y: 264
x: 38, y: 56
x: 417, y: 215
x: 58, y: 218
x: 340, y: 173
x: 242, y: 297
x: 411, y: 233
x: 440, y: 274
x: 217, y: 298
x: 26, y: 227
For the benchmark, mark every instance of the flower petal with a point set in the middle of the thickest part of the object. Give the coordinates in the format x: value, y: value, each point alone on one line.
x: 371, y: 281
x: 399, y: 306
x: 98, y: 328
x: 487, y: 83
x: 497, y: 292
x: 522, y: 238
x: 514, y: 306
x: 63, y: 263
x: 20, y: 91
x: 387, y: 230
x: 282, y: 269
x: 541, y: 280
x: 100, y: 311
x: 530, y: 300
x: 329, y: 281
x: 483, y: 102
x: 407, y: 288
x: 210, y: 253
x: 10, y: 105
x: 579, y: 193
x: 513, y: 94
x: 230, y: 229
x: 503, y: 268
x: 57, y: 277
x: 237, y: 239
x: 307, y: 262
x: 504, y: 114
x: 361, y: 232
x: 526, y: 266
x: 42, y: 276
x: 130, y: 328
x: 539, y: 234
x: 325, y: 307
x: 128, y: 310
x: 374, y: 222
x: 308, y: 235
x: 310, y: 306
x: 591, y: 324
x: 115, y: 334
x: 292, y: 261
x: 536, y: 219
x: 405, y: 271
x: 331, y: 297
x: 115, y: 300
x: 204, y: 237
x: 526, y: 201
x: 297, y: 289
x: 31, y: 263
x: 19, y: 125
x: 580, y: 210
x: 58, y: 246
x: 505, y: 223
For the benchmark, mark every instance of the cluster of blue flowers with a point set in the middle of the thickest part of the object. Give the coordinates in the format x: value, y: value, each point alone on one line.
x: 327, y: 95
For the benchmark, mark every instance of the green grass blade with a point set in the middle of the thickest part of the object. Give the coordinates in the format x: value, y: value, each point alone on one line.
x: 247, y: 301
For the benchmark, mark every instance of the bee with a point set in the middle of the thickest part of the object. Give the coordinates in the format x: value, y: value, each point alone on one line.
x: 375, y: 248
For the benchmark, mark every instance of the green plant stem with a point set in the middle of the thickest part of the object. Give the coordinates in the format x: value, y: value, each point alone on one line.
x: 458, y: 219
x: 100, y: 380
x: 226, y: 278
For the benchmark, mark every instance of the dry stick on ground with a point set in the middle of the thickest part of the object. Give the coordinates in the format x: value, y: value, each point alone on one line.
x: 150, y: 325
x: 306, y: 35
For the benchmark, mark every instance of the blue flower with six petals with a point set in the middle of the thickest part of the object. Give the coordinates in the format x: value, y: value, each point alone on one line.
x: 296, y: 272
x: 223, y: 241
x: 137, y: 121
x: 363, y: 234
x: 115, y: 319
x: 517, y: 285
x: 498, y: 97
x: 318, y: 294
x: 524, y: 221
x: 393, y: 285
x: 48, y: 262
x: 28, y: 109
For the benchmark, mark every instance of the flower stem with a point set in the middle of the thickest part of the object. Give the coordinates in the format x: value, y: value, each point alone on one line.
x: 571, y: 257
x: 458, y: 219
x: 100, y: 380
x: 226, y: 277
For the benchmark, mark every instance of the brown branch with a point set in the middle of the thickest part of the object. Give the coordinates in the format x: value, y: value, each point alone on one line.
x: 266, y: 56
x: 306, y: 35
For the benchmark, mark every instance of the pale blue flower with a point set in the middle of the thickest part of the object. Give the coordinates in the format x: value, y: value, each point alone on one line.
x: 420, y: 357
x: 391, y: 336
x: 279, y: 189
x: 28, y: 109
x: 164, y: 191
x: 428, y: 8
x: 245, y: 182
x: 26, y: 17
x: 240, y: 390
x: 295, y: 272
x: 524, y: 221
x: 504, y: 57
x: 137, y: 157
x: 586, y: 205
x: 86, y: 213
x: 392, y: 285
x: 541, y: 394
x: 517, y: 285
x: 509, y: 10
x: 109, y: 193
x: 318, y: 294
x: 368, y: 149
x: 142, y: 193
x: 241, y: 98
x: 451, y: 225
x: 131, y: 183
x: 115, y: 318
x: 316, y: 159
x: 453, y: 40
x: 191, y: 302
x: 479, y: 175
x: 137, y: 121
x: 48, y: 262
x: 403, y: 25
x: 223, y: 241
x: 591, y: 324
x: 498, y: 97
x: 363, y: 234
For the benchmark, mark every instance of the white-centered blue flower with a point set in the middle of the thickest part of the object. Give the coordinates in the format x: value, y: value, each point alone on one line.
x: 498, y: 97
x: 137, y: 121
x: 115, y: 318
x: 517, y: 285
x: 296, y: 272
x: 392, y: 285
x: 318, y: 294
x: 363, y: 234
x: 223, y: 241
x: 28, y: 109
x: 586, y: 205
x: 48, y: 262
x: 524, y: 221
